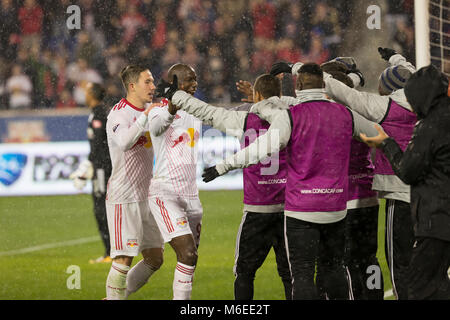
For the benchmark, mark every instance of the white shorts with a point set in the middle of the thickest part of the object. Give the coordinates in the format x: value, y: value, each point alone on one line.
x: 132, y: 228
x: 177, y: 216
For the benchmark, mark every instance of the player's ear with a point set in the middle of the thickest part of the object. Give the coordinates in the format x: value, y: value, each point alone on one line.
x: 299, y: 83
x: 257, y: 96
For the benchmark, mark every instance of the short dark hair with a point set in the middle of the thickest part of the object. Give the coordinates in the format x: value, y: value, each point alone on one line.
x: 97, y: 91
x: 268, y: 86
x: 131, y: 74
x: 311, y: 68
x: 310, y: 76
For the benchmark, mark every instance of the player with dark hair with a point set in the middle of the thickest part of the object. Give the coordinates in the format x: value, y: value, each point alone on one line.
x: 392, y: 111
x: 361, y: 235
x: 98, y: 165
x: 262, y: 223
x: 316, y: 187
x: 132, y: 228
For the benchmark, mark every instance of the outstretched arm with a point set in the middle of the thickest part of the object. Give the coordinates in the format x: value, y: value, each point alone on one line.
x: 269, y: 109
x: 395, y: 59
x: 369, y: 105
x: 275, y: 139
x: 228, y: 121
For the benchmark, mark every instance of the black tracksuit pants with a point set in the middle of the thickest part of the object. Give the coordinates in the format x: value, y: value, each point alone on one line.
x: 428, y: 278
x: 310, y: 243
x: 100, y: 217
x: 361, y: 244
x: 399, y: 245
x: 258, y: 233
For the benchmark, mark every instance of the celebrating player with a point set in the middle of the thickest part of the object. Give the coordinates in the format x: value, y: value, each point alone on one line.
x: 262, y: 223
x: 132, y: 227
x: 392, y: 111
x: 361, y: 230
x: 174, y: 199
x: 316, y: 188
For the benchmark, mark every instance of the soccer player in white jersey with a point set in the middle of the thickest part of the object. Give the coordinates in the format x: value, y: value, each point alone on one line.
x: 132, y: 227
x: 174, y: 199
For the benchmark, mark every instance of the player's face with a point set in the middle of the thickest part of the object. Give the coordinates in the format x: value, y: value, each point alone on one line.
x: 145, y: 87
x: 189, y: 83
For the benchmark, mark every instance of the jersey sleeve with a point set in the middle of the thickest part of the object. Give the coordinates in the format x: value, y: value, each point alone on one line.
x: 362, y: 125
x: 399, y: 60
x: 269, y: 109
x: 371, y: 106
x: 228, y: 121
x: 159, y: 120
x: 275, y: 139
x: 289, y: 101
x: 122, y: 133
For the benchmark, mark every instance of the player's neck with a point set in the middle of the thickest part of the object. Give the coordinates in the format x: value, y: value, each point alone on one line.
x: 136, y: 102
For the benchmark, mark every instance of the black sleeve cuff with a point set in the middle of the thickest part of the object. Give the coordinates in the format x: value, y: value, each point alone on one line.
x: 390, y: 148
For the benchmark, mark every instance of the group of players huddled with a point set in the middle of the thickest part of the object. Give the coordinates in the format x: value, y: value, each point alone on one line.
x: 318, y: 208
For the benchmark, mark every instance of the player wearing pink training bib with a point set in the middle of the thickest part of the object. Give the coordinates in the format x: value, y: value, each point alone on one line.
x: 132, y: 227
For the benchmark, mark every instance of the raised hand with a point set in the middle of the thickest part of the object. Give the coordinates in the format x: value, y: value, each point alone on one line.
x: 166, y: 89
x: 386, y: 53
x: 375, y: 142
x: 246, y: 88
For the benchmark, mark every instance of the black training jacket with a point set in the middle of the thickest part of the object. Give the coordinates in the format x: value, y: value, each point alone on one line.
x: 425, y: 164
x: 99, y: 154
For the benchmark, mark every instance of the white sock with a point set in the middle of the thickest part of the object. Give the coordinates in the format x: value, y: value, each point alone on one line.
x: 138, y: 276
x: 182, y: 281
x: 116, y: 283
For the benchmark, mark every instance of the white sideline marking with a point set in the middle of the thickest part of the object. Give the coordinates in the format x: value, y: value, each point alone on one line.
x: 49, y: 246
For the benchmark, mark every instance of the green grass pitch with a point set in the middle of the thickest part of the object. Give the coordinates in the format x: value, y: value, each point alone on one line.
x: 29, y: 222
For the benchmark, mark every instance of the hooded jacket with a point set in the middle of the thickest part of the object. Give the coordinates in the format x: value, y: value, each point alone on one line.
x: 425, y: 164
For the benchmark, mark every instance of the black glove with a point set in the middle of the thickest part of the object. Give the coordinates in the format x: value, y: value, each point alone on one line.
x: 386, y: 53
x: 209, y: 174
x: 166, y: 89
x: 281, y: 67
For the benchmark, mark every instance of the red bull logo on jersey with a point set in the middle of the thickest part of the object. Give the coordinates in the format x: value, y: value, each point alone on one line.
x: 132, y: 243
x: 182, y: 222
x: 144, y: 140
x: 189, y: 137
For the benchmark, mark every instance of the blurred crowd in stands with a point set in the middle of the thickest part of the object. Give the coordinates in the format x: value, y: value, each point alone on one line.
x: 44, y: 64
